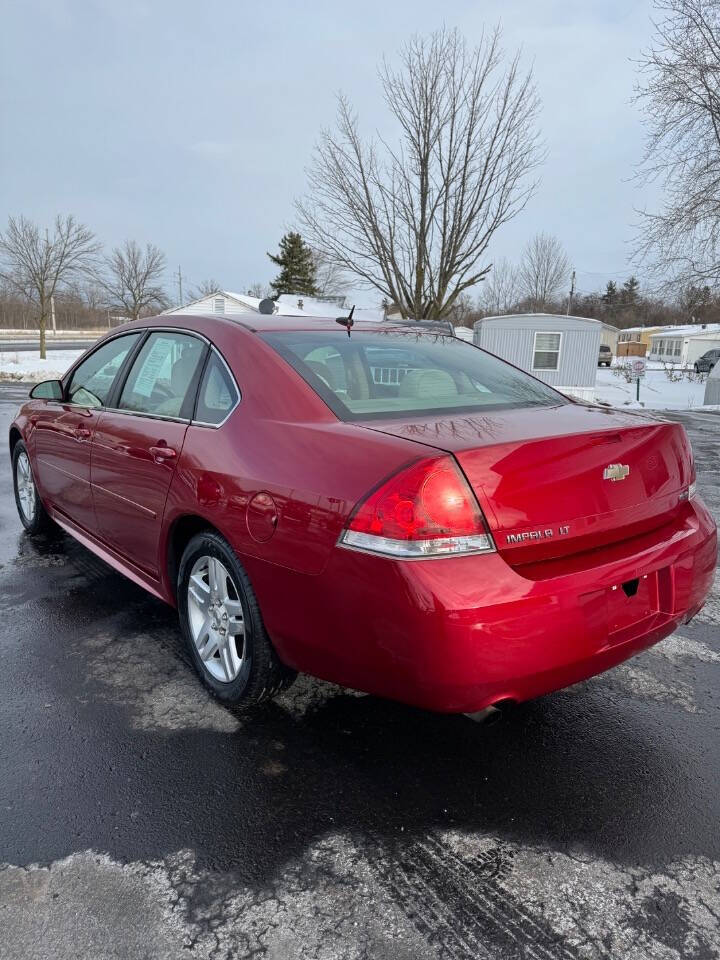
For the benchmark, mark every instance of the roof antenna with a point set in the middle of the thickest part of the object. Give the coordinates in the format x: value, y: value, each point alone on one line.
x: 347, y: 321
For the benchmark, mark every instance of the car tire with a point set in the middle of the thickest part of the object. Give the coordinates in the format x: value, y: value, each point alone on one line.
x: 31, y: 511
x: 214, y: 594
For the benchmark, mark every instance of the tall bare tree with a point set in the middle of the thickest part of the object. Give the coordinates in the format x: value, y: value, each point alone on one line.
x: 133, y: 278
x: 413, y: 218
x: 501, y: 290
x: 37, y: 266
x: 679, y: 88
x: 544, y: 270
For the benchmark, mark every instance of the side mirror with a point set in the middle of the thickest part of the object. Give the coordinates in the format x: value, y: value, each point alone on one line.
x: 47, y: 390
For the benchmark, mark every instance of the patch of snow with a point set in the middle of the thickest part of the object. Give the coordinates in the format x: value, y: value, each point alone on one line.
x: 27, y: 365
x: 656, y: 391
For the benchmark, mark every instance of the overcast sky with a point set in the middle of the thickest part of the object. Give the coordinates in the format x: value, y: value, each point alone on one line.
x: 189, y: 124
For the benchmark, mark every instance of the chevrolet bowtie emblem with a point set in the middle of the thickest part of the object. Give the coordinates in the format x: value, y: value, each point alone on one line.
x: 616, y: 471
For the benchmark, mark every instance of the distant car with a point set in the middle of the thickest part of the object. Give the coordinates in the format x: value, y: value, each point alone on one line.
x: 394, y: 510
x: 605, y: 356
x: 707, y: 361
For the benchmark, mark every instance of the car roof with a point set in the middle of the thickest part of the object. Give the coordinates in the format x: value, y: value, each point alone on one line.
x: 266, y: 323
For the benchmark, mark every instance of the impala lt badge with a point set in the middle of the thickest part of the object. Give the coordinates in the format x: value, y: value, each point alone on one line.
x: 536, y: 534
x: 616, y: 471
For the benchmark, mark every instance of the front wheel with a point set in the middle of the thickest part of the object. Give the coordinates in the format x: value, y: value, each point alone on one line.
x: 33, y: 515
x: 222, y: 625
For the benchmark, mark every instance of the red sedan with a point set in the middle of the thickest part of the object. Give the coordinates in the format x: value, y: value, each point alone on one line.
x: 392, y: 510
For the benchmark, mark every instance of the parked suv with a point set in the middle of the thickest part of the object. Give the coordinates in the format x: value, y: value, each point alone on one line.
x: 605, y: 356
x: 707, y: 361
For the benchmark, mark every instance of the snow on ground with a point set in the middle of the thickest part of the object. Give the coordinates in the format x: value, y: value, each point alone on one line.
x: 657, y: 392
x: 27, y: 365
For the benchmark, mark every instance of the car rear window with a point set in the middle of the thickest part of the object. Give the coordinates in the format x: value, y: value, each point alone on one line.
x: 394, y: 373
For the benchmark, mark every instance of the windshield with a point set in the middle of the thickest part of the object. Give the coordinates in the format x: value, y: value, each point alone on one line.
x: 393, y: 373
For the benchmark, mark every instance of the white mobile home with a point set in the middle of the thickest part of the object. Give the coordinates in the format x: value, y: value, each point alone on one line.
x: 609, y: 336
x: 683, y: 345
x: 227, y: 303
x: 562, y: 351
x: 222, y: 302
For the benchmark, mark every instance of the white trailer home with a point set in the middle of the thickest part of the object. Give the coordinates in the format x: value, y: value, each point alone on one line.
x: 221, y: 302
x: 562, y: 351
x: 683, y: 345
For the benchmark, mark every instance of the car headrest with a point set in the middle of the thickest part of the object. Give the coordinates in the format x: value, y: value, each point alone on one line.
x: 428, y: 383
x: 323, y: 371
x: 182, y: 371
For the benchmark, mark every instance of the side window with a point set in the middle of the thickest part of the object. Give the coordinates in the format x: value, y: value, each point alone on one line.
x: 162, y: 375
x: 218, y: 393
x: 92, y: 380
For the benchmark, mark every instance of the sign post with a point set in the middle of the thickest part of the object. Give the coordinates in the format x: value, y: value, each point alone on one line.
x: 637, y: 369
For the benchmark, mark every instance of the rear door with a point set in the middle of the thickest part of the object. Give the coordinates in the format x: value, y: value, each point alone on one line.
x: 138, y: 443
x: 64, y: 431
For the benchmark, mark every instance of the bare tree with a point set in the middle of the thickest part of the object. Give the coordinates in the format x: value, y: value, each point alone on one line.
x: 679, y: 87
x: 260, y: 290
x: 330, y: 278
x: 414, y: 218
x: 36, y: 267
x: 544, y: 270
x: 133, y: 278
x: 206, y: 288
x: 501, y: 290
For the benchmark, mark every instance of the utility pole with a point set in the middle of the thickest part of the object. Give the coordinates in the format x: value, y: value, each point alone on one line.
x: 572, y: 293
x: 179, y: 281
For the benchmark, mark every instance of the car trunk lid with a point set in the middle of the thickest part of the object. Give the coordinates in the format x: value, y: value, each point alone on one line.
x: 562, y: 480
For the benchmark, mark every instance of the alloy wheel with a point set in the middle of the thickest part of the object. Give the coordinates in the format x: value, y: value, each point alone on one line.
x: 216, y: 618
x: 25, y: 487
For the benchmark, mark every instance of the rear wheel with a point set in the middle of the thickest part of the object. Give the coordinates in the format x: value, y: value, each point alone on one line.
x: 33, y: 515
x: 222, y: 625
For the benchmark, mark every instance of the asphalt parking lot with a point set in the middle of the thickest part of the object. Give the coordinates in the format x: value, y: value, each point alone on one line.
x: 140, y: 819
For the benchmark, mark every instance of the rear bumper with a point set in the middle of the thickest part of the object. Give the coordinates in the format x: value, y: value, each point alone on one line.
x: 458, y: 634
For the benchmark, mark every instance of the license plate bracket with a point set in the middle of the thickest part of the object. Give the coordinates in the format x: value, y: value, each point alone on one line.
x: 631, y: 602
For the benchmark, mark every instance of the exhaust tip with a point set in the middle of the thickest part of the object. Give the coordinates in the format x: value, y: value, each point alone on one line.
x: 491, y: 714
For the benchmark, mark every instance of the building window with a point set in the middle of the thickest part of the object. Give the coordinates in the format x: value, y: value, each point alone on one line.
x: 219, y: 305
x: 546, y: 351
x: 678, y: 348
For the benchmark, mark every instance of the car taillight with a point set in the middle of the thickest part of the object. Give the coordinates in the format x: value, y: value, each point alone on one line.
x: 426, y: 510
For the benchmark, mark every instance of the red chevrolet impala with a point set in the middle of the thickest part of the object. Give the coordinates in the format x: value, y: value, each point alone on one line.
x: 389, y: 509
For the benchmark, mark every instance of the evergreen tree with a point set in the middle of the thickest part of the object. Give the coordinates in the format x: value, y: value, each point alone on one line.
x: 629, y: 292
x: 297, y: 267
x: 609, y: 298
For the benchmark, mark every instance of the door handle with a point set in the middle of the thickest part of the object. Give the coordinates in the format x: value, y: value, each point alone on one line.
x: 82, y: 433
x: 161, y: 452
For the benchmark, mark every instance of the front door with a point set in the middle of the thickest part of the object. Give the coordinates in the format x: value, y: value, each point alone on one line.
x: 137, y: 446
x: 64, y: 432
